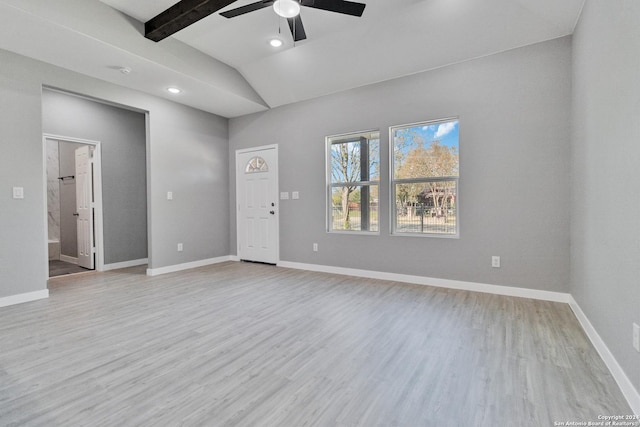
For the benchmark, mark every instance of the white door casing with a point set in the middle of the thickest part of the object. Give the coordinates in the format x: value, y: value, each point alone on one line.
x: 84, y: 206
x: 97, y: 193
x: 257, y: 204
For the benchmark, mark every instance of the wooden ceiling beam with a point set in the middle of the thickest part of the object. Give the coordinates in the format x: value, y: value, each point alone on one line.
x: 181, y: 15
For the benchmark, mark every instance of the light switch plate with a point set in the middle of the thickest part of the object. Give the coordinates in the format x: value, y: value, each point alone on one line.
x: 284, y: 195
x: 295, y: 195
x: 495, y: 261
x: 18, y: 192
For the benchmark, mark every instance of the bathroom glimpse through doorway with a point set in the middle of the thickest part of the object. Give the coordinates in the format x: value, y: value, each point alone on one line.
x: 74, y: 205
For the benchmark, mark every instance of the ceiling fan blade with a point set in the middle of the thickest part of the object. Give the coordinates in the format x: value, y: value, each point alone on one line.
x: 246, y: 9
x: 181, y: 15
x: 339, y: 6
x: 297, y: 29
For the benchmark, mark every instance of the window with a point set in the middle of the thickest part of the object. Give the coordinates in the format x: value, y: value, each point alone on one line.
x: 353, y: 163
x: 256, y: 165
x: 425, y: 173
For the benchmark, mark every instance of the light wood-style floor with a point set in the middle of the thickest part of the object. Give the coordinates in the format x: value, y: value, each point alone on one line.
x: 240, y: 344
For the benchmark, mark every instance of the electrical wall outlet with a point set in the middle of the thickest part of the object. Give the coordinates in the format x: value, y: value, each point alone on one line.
x: 180, y: 247
x: 495, y: 261
x: 636, y: 337
x: 315, y: 247
x: 169, y: 195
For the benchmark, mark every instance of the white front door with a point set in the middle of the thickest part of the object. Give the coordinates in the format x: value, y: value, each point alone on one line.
x: 257, y: 200
x: 84, y: 206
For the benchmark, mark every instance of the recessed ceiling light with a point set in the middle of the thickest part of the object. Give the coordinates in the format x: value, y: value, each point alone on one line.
x: 275, y: 42
x: 174, y: 90
x: 125, y: 70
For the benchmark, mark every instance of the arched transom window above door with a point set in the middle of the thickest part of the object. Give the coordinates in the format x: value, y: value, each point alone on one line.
x: 256, y: 165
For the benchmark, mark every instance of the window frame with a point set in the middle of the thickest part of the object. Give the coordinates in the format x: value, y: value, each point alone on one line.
x: 330, y: 185
x: 393, y: 222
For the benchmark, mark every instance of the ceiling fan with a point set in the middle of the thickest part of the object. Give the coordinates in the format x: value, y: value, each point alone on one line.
x: 186, y: 12
x: 290, y: 9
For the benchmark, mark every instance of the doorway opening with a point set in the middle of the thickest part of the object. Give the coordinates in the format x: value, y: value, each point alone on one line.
x: 74, y: 205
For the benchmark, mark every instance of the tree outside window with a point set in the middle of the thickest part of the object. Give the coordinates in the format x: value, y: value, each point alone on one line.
x: 353, y: 163
x: 425, y: 176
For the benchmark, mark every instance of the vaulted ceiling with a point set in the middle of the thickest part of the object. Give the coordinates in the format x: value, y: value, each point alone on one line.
x: 227, y: 67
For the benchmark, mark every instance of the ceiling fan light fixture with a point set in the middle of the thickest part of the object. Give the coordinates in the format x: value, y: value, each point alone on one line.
x: 174, y: 90
x: 275, y: 42
x: 287, y: 8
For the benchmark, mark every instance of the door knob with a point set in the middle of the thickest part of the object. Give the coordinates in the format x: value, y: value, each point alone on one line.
x: 76, y: 214
x: 272, y: 212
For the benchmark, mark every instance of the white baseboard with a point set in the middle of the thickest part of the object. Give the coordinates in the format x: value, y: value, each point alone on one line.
x: 20, y: 298
x: 429, y: 281
x: 69, y: 259
x: 626, y: 386
x: 234, y: 258
x: 187, y: 265
x: 125, y: 264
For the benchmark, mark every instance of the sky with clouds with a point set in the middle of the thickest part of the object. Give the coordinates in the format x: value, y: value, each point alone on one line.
x: 447, y: 133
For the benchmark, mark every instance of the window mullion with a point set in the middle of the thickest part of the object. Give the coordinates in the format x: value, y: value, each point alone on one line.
x: 353, y: 183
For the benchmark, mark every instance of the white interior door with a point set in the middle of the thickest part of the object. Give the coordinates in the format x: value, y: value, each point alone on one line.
x: 257, y: 197
x: 84, y: 206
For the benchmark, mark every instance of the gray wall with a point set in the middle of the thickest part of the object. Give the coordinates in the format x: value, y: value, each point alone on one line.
x: 122, y: 136
x: 187, y: 153
x: 68, y: 222
x: 514, y: 110
x: 605, y: 227
x: 23, y: 253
